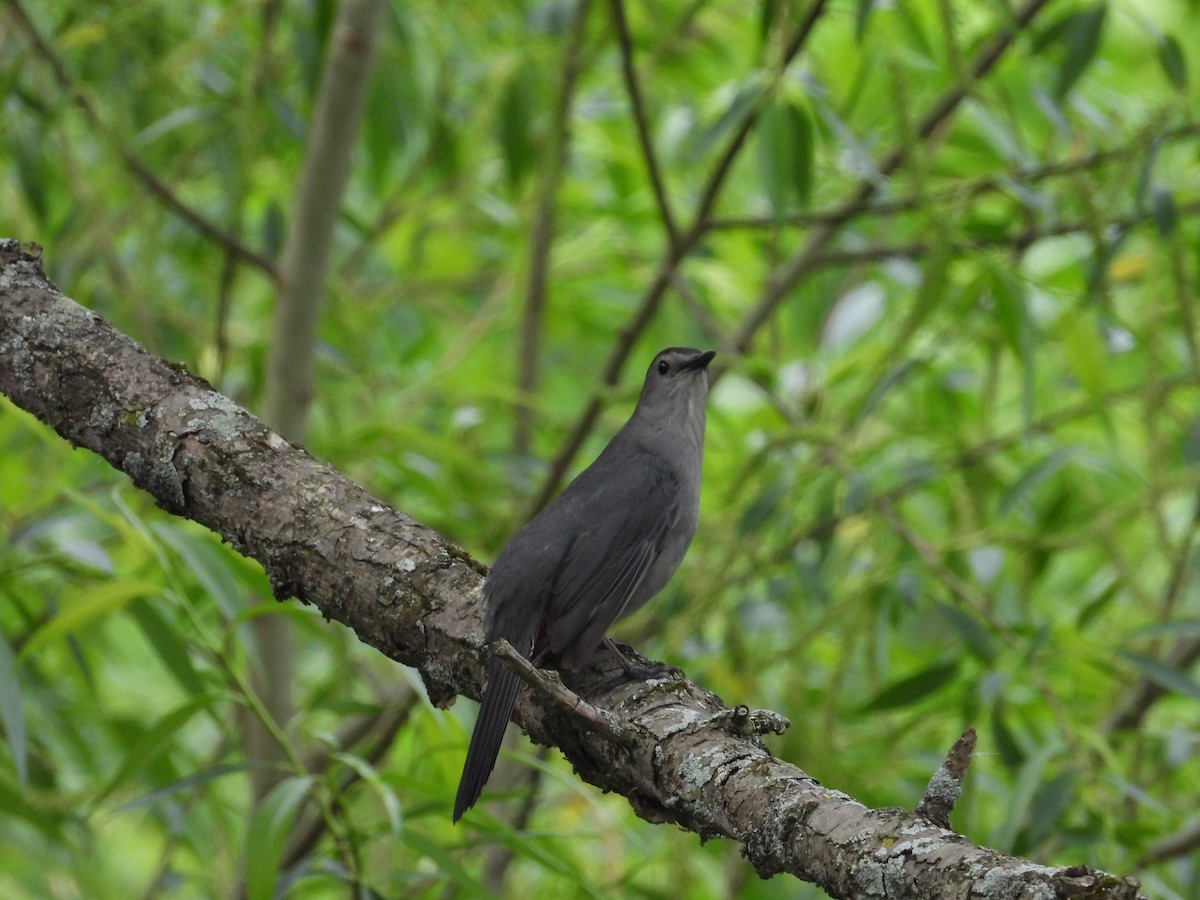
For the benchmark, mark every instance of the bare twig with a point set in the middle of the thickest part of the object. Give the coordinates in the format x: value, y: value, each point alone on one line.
x: 599, y: 720
x: 946, y: 784
x: 1182, y: 843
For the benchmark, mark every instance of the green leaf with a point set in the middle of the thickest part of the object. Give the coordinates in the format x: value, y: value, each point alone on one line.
x: 1086, y: 355
x: 369, y: 775
x: 1163, y: 674
x: 785, y: 153
x: 184, y: 784
x: 862, y: 15
x: 767, y: 11
x: 86, y: 607
x: 514, y: 124
x: 150, y: 745
x: 744, y: 100
x: 763, y: 508
x: 208, y: 563
x: 971, y: 630
x: 447, y: 863
x: 1081, y: 38
x: 908, y: 691
x: 1033, y: 477
x: 1191, y: 443
x: 12, y: 712
x: 1173, y: 62
x: 1007, y: 744
x: 172, y: 651
x: 1171, y: 628
x: 1048, y: 803
x: 1163, y: 210
x: 268, y: 831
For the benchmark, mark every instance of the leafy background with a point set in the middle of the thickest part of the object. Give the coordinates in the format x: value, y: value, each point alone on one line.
x: 952, y: 462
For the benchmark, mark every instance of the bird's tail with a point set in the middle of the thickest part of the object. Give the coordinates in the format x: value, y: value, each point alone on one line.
x: 498, y: 699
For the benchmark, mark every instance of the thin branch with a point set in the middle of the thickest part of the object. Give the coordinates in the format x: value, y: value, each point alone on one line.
x: 1182, y: 655
x: 1182, y: 843
x: 637, y: 105
x: 155, y: 185
x: 529, y: 343
x: 628, y: 334
x: 1018, y: 242
x: 970, y: 190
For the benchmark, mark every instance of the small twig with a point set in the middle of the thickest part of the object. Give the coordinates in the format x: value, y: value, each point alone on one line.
x: 959, y: 191
x: 638, y: 107
x: 945, y: 786
x: 599, y: 720
x: 1018, y: 241
x: 746, y: 721
x: 529, y: 342
x: 1182, y: 655
x: 1182, y: 843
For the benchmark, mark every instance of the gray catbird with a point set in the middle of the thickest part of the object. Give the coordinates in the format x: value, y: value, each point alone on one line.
x: 599, y: 550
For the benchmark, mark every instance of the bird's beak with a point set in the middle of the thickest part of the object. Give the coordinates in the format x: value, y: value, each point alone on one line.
x: 699, y: 361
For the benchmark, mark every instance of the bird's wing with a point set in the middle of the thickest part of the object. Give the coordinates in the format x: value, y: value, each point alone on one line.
x: 606, y: 563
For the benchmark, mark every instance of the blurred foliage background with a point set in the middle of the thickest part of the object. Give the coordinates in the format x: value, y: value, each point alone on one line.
x: 948, y: 253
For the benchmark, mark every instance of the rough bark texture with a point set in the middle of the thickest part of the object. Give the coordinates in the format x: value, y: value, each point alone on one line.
x: 413, y: 596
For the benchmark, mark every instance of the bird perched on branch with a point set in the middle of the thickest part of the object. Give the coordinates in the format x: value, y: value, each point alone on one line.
x: 598, y: 551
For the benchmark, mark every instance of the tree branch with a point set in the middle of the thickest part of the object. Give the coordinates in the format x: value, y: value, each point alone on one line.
x: 415, y: 597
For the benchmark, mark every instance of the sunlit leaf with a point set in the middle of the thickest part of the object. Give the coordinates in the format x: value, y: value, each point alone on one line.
x: 86, y: 608
x: 1085, y: 353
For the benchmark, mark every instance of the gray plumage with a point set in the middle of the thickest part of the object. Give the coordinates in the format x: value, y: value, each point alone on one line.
x: 598, y: 551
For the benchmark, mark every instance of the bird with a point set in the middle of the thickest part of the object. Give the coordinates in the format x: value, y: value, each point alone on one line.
x: 600, y: 550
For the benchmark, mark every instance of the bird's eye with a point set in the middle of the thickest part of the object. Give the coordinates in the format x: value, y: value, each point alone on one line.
x: 663, y: 367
